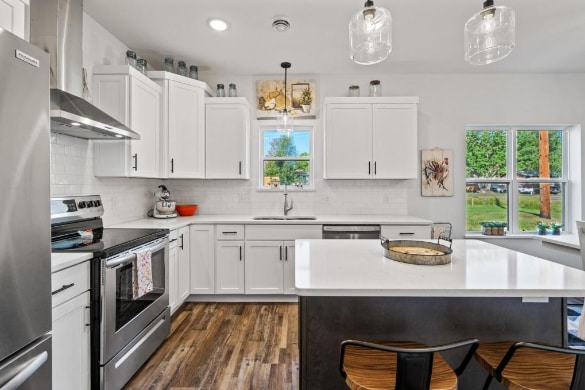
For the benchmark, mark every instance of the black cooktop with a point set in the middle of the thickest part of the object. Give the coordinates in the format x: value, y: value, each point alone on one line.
x: 107, y: 242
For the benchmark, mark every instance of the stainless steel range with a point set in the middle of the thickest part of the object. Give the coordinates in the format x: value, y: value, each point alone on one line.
x: 126, y: 329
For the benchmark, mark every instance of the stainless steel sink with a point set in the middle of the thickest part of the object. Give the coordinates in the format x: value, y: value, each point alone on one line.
x: 283, y: 218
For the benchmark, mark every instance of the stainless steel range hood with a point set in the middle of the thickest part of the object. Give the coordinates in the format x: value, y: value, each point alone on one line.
x: 56, y: 26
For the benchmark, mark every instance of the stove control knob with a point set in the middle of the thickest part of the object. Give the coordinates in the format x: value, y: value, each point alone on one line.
x: 97, y: 203
x: 90, y: 203
x: 82, y: 204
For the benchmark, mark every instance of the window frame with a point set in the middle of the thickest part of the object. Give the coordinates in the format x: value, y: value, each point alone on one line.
x: 272, y: 126
x: 511, y: 179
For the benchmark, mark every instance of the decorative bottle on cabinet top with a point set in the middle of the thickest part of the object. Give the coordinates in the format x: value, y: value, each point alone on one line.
x: 232, y: 92
x: 169, y: 65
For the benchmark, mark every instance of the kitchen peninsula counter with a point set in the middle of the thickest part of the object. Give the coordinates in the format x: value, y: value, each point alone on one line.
x: 348, y: 290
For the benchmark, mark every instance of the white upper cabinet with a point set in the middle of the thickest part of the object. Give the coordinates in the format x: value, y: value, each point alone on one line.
x: 133, y: 99
x: 182, y: 125
x: 227, y: 138
x: 371, y: 138
x: 14, y: 17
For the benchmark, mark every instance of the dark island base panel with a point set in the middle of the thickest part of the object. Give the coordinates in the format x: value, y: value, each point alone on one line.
x: 325, y: 321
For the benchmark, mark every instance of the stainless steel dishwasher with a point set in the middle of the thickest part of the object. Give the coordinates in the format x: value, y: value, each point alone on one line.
x: 352, y: 232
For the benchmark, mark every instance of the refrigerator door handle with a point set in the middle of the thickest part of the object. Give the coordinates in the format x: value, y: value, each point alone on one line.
x: 32, y: 366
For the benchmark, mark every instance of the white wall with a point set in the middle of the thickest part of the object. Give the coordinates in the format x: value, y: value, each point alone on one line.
x: 447, y: 104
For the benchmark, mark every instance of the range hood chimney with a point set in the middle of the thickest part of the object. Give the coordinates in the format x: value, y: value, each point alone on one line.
x: 56, y: 26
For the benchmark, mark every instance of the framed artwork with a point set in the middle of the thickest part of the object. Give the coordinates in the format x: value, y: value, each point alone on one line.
x: 437, y: 178
x: 301, y: 99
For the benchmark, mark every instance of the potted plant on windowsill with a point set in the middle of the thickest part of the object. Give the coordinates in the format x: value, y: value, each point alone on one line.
x: 493, y: 228
x: 541, y: 228
x: 306, y: 100
x: 556, y: 228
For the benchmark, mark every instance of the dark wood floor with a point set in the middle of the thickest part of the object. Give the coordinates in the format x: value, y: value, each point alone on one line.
x: 217, y: 346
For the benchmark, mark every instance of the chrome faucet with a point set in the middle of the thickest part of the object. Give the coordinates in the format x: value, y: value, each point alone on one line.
x: 287, y: 207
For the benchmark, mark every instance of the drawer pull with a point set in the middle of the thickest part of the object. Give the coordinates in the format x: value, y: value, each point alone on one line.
x: 229, y: 232
x: 65, y: 287
x: 406, y: 234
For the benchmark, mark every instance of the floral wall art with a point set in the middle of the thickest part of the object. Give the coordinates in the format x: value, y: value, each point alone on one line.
x: 300, y: 102
x: 436, y: 175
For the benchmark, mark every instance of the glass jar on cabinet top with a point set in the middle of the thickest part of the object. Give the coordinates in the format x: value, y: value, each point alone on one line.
x: 220, y: 90
x: 142, y: 65
x: 354, y: 91
x: 169, y: 64
x: 194, y: 72
x: 131, y: 58
x: 375, y: 88
x: 232, y: 92
x: 182, y: 69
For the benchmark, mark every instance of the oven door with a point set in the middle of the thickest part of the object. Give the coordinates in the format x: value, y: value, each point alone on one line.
x: 122, y: 316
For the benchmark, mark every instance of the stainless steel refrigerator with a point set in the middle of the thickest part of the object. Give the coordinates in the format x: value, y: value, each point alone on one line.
x: 25, y: 238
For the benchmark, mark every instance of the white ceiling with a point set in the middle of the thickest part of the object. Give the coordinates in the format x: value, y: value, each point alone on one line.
x: 427, y: 34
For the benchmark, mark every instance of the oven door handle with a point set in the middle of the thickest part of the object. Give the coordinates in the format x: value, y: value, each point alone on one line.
x: 128, y: 258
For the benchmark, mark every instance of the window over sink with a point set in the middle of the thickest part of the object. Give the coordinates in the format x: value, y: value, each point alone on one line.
x: 286, y: 158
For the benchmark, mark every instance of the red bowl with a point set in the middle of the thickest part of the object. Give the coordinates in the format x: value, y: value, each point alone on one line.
x: 186, y: 210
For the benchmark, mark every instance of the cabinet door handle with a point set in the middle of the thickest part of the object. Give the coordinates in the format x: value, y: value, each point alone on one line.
x: 240, y: 253
x: 181, y: 242
x: 88, y: 316
x: 369, y: 167
x: 374, y: 167
x: 280, y: 252
x: 286, y: 253
x: 65, y: 287
x: 172, y: 165
x: 240, y: 167
x: 135, y: 157
x: 406, y: 233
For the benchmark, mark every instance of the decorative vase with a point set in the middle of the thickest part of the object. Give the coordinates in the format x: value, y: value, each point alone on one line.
x: 556, y: 232
x: 541, y: 232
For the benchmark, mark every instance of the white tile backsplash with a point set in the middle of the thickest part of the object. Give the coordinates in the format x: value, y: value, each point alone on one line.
x: 126, y: 199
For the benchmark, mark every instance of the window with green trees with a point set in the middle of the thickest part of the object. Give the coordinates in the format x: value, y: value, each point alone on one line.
x: 515, y: 175
x: 286, y: 158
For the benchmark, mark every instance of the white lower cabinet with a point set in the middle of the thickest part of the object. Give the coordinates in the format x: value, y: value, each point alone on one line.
x: 202, y: 243
x: 270, y: 256
x: 229, y: 259
x: 229, y: 267
x: 179, y: 265
x: 71, y: 330
x: 270, y: 267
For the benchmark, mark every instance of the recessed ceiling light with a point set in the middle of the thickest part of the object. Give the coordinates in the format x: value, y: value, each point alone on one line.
x: 218, y: 24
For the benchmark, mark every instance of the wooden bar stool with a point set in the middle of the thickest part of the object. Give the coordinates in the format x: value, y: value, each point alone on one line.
x: 525, y: 366
x: 400, y: 365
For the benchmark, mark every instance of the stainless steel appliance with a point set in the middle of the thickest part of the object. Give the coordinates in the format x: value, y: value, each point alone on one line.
x: 25, y: 259
x: 125, y: 330
x: 354, y: 232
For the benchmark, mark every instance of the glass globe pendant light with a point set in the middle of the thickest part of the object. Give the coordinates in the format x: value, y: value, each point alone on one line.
x: 370, y: 35
x: 490, y: 35
x: 285, y: 123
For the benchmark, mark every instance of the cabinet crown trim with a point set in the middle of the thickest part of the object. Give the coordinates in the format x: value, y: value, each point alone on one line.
x: 365, y: 99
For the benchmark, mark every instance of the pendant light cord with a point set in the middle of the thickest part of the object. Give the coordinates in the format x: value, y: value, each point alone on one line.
x: 285, y: 66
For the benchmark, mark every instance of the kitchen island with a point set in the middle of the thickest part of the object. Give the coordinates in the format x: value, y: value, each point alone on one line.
x: 348, y: 290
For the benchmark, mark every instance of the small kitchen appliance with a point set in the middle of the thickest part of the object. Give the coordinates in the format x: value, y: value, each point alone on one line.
x: 164, y: 207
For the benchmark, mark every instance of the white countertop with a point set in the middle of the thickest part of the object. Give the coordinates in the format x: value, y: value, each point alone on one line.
x: 176, y: 223
x: 61, y: 261
x: 477, y: 269
x: 568, y: 240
